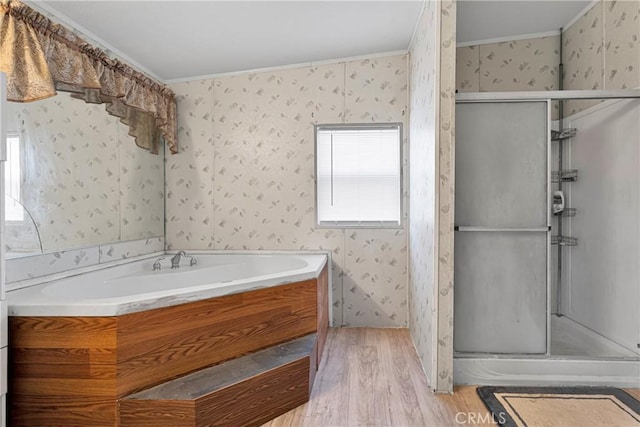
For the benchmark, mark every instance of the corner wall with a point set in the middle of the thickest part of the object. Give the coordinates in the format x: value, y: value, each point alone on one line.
x: 601, y: 275
x: 244, y: 177
x: 600, y: 279
x: 432, y: 101
x: 601, y: 50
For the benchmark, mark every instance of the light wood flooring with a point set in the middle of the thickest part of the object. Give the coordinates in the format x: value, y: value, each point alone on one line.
x: 372, y: 377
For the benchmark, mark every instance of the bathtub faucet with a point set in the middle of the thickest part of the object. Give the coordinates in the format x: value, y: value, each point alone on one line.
x: 175, y: 260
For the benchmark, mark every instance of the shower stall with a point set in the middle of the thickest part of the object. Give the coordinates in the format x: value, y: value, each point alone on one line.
x: 547, y: 239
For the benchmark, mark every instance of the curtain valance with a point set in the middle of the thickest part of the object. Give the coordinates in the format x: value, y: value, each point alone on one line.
x: 40, y: 57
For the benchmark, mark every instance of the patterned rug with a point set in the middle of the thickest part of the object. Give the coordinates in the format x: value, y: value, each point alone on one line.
x: 561, y: 406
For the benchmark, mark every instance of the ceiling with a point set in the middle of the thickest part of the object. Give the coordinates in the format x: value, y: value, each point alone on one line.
x: 182, y: 39
x: 178, y: 40
x: 485, y: 20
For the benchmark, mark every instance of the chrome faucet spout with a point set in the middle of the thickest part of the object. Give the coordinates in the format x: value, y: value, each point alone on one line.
x: 175, y: 260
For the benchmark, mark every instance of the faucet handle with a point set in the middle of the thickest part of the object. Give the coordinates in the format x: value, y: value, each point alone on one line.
x: 193, y: 262
x: 156, y: 265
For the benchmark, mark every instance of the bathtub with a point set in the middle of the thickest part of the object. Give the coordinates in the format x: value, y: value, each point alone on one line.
x: 135, y: 286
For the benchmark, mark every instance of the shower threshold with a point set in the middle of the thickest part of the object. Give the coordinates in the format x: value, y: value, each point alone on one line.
x: 579, y: 357
x: 554, y: 371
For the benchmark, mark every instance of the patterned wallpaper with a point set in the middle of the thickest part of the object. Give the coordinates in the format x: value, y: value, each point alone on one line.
x: 423, y: 97
x: 27, y: 270
x: 244, y: 178
x: 602, y: 50
x: 621, y: 44
x: 84, y: 180
x: 517, y: 65
x: 432, y: 100
x: 583, y: 57
x: 468, y: 69
x: 446, y: 194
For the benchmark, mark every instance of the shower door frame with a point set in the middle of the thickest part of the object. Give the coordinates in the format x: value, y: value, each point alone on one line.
x: 487, y: 99
x: 508, y: 369
x: 548, y: 97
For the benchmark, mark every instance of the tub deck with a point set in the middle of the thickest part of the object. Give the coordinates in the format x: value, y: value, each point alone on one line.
x: 135, y: 287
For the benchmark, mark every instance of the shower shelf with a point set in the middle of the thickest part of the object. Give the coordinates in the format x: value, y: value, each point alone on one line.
x: 566, y: 212
x: 563, y: 134
x: 566, y: 175
x: 564, y: 240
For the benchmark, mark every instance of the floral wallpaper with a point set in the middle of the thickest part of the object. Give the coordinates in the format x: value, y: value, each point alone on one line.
x: 423, y: 95
x: 84, y: 182
x: 520, y: 65
x: 432, y: 99
x: 468, y: 69
x: 244, y: 177
x: 583, y: 56
x: 446, y: 194
x: 602, y: 50
x: 21, y: 270
x: 141, y: 189
x: 189, y: 184
x: 622, y: 44
x: 516, y: 65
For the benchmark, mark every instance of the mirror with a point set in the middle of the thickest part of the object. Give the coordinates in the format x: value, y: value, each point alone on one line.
x: 75, y: 178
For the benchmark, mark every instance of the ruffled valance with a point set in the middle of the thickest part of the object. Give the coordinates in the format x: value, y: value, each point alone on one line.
x: 40, y: 57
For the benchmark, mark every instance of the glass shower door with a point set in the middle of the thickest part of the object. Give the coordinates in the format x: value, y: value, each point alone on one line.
x: 501, y: 216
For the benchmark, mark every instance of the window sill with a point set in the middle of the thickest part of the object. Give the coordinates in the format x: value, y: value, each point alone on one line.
x: 372, y: 225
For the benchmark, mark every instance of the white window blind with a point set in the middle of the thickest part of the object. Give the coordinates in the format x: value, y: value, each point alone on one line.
x: 13, y: 211
x: 358, y: 175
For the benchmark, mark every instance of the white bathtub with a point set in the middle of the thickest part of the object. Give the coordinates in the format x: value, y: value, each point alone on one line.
x: 136, y: 287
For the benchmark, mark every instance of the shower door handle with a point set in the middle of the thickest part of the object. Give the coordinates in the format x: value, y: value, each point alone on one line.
x: 518, y: 229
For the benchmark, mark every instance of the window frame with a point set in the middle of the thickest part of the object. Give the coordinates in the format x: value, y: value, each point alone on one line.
x: 21, y: 151
x: 359, y: 224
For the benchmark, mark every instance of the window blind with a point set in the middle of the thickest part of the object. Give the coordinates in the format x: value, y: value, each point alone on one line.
x: 358, y: 175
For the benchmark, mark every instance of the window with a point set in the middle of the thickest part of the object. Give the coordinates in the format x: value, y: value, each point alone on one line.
x: 358, y: 175
x: 13, y: 210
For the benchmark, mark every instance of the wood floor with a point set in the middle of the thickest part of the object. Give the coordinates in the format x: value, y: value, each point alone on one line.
x: 372, y: 377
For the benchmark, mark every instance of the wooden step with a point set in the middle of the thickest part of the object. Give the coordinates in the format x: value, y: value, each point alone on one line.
x: 247, y: 391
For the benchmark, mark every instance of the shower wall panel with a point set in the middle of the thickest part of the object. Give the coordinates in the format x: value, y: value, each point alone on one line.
x: 603, y: 287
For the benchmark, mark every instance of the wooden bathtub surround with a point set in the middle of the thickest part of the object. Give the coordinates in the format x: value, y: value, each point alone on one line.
x: 73, y: 371
x: 323, y: 310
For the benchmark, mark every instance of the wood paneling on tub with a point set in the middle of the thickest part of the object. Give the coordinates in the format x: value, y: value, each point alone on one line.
x: 62, y: 371
x: 72, y: 370
x: 323, y: 311
x: 181, y: 339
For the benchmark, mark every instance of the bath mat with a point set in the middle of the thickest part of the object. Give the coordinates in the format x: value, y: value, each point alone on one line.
x: 560, y: 406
